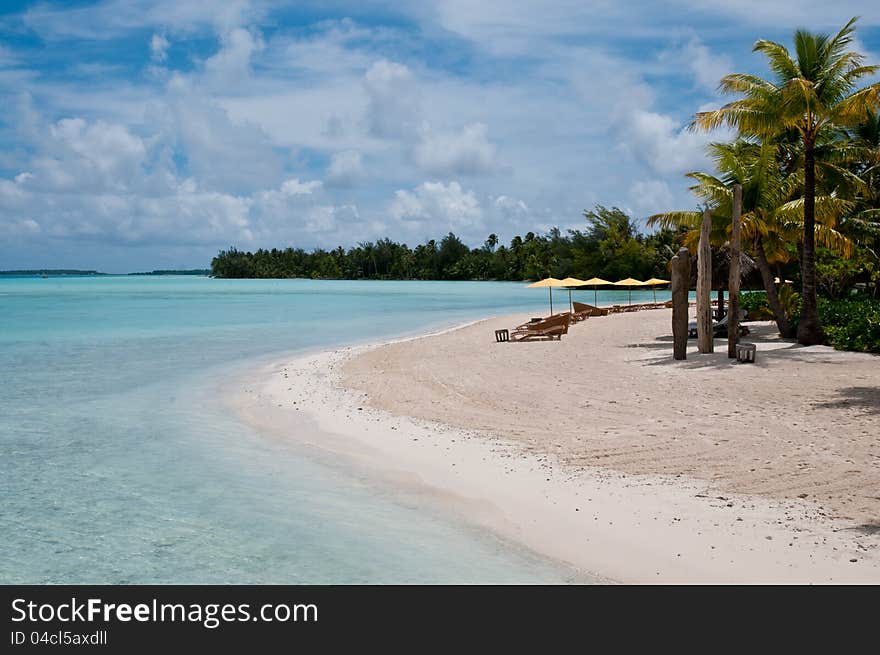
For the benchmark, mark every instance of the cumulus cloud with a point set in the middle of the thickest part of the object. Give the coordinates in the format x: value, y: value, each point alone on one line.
x: 707, y: 67
x: 393, y: 107
x: 80, y: 156
x: 661, y: 143
x: 445, y: 206
x: 345, y: 170
x: 223, y: 154
x: 232, y: 63
x: 465, y: 152
x: 651, y: 197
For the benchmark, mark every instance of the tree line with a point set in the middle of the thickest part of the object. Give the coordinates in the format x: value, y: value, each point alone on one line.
x: 611, y: 247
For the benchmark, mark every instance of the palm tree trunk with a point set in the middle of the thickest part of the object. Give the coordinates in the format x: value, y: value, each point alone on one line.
x: 770, y: 287
x: 809, y: 331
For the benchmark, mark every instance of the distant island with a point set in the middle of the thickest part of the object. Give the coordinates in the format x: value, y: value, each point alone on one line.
x: 57, y: 272
x: 49, y: 271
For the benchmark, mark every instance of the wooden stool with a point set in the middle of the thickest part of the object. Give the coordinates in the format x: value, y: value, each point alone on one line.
x: 745, y: 352
x: 502, y: 335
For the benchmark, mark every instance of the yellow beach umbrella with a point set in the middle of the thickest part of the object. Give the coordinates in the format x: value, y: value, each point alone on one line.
x: 655, y: 282
x: 572, y: 282
x: 549, y: 282
x: 629, y: 283
x: 596, y: 282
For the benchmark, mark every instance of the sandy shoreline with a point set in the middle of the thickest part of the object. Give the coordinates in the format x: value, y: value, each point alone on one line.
x: 602, y: 453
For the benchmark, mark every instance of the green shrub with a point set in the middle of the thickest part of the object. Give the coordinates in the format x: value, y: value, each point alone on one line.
x: 851, y: 324
x: 755, y: 303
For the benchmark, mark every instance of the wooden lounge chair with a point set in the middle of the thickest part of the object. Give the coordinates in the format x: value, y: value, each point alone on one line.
x: 719, y: 328
x: 580, y: 312
x: 549, y: 328
x: 590, y: 310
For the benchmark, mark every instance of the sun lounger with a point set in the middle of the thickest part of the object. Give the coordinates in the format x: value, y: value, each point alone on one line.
x: 719, y: 329
x: 549, y: 328
x: 578, y: 316
x: 589, y: 310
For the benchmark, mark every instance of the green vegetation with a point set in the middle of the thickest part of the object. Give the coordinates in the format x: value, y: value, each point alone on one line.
x: 851, y: 323
x: 610, y: 247
x: 810, y: 112
x: 807, y: 154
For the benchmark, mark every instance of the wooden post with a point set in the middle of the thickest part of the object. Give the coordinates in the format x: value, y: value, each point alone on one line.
x: 733, y: 282
x: 681, y: 284
x: 705, y: 338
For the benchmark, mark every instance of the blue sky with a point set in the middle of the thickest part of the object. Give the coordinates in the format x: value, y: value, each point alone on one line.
x: 139, y: 135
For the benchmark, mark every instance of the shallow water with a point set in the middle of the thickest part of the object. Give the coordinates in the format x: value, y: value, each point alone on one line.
x: 119, y: 465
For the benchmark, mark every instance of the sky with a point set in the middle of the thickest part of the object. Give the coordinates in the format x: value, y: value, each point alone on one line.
x: 138, y: 135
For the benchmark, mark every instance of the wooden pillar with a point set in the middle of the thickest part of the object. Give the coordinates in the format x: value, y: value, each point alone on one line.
x: 681, y: 284
x: 705, y: 343
x: 733, y: 282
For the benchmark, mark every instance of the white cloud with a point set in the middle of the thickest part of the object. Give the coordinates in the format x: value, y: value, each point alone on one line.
x: 293, y: 187
x: 662, y: 144
x: 223, y: 154
x: 81, y: 155
x: 346, y: 169
x: 159, y: 48
x: 707, y: 67
x: 393, y: 104
x: 466, y: 152
x: 509, y: 205
x: 445, y: 206
x: 232, y: 63
x: 649, y: 197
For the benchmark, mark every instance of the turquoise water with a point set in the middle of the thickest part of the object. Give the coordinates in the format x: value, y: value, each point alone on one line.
x: 119, y: 465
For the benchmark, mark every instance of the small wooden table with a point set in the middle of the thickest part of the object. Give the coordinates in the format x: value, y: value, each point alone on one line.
x: 745, y: 352
x: 502, y: 335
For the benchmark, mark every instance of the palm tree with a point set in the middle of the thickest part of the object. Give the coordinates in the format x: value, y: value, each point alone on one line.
x: 864, y: 159
x: 812, y: 93
x: 772, y: 213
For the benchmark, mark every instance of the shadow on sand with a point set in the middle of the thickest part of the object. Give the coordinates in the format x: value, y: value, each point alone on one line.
x: 771, y: 349
x: 865, y: 397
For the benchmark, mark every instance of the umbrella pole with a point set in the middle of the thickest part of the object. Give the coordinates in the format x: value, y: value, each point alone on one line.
x: 551, y: 300
x: 570, y: 307
x: 595, y: 296
x: 630, y: 296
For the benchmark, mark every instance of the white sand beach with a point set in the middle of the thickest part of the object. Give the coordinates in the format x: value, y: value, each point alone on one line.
x: 602, y: 452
